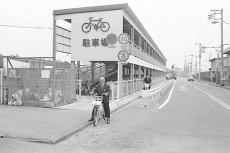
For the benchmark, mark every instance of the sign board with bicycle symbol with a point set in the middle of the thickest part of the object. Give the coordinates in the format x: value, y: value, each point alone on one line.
x: 94, y: 36
x: 95, y: 24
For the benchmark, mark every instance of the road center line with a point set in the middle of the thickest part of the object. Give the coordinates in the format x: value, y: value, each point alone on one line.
x: 170, y: 94
x: 225, y: 105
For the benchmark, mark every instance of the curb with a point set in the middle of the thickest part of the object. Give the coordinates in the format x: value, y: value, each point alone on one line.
x: 69, y: 133
x: 223, y: 87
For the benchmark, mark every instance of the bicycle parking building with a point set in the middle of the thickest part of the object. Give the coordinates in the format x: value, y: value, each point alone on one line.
x: 88, y: 43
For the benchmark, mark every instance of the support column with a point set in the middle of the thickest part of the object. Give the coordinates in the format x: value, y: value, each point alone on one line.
x: 145, y: 69
x: 149, y: 71
x: 139, y: 71
x: 119, y: 79
x: 92, y: 67
x: 78, y: 70
x: 139, y: 84
x: 132, y: 75
x: 54, y: 60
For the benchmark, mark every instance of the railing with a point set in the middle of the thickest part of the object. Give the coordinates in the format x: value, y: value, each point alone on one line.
x: 138, y: 84
x: 113, y: 88
x: 1, y: 86
x: 126, y: 87
x: 130, y: 86
x: 136, y: 51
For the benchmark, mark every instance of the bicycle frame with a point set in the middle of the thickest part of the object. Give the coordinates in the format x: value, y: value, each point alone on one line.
x: 98, y: 109
x: 95, y: 25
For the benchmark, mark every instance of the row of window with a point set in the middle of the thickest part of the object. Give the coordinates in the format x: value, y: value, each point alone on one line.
x: 141, y: 42
x: 63, y: 32
x: 63, y: 40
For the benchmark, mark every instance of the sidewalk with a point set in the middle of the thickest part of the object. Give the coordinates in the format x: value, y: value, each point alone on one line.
x: 50, y: 125
x: 217, y: 85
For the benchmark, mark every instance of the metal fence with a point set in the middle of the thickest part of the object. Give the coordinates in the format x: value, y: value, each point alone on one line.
x: 1, y: 86
x: 36, y: 85
x: 65, y: 86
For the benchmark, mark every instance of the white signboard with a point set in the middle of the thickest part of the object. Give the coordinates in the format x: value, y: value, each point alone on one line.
x: 45, y: 74
x: 90, y: 32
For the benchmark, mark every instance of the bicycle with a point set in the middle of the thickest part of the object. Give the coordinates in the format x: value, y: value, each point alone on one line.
x: 98, y: 109
x: 104, y: 26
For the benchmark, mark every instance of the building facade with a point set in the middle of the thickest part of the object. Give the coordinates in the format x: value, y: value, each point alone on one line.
x: 216, y: 67
x: 111, y: 36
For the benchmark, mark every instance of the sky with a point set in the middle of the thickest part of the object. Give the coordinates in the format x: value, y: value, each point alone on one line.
x: 175, y: 26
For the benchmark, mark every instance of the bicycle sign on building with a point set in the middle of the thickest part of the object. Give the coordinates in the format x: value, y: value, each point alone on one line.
x: 96, y: 24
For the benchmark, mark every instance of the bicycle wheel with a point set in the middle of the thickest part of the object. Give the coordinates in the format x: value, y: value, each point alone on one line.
x: 104, y: 26
x: 86, y: 27
x: 95, y: 116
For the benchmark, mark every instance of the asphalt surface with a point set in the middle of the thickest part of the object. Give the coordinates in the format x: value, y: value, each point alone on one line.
x: 194, y: 119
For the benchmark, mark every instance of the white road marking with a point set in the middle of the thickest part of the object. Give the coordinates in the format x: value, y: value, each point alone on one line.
x: 183, y: 88
x: 225, y: 105
x: 170, y: 94
x: 150, y: 92
x: 159, y: 88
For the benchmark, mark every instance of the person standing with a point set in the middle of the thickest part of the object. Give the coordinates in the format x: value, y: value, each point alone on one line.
x: 103, y: 89
x: 148, y: 80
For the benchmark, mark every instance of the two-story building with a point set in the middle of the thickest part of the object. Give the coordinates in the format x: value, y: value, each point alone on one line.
x: 111, y: 36
x: 216, y: 67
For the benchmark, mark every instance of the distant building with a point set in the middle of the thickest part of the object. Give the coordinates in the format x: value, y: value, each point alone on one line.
x: 216, y: 66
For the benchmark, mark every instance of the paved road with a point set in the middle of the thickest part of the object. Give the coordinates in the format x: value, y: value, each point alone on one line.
x: 196, y: 119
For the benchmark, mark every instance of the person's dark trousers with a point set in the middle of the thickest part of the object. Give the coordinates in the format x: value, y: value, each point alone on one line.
x: 106, y: 108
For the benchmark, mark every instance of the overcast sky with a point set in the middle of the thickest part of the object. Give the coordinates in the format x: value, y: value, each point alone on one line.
x: 175, y: 25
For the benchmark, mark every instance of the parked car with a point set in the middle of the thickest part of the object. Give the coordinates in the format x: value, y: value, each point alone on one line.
x: 190, y: 78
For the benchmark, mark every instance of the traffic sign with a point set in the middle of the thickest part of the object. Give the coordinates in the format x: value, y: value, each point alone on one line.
x: 124, y: 38
x: 123, y: 56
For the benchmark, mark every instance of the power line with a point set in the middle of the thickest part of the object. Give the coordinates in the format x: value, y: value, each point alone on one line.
x: 25, y: 27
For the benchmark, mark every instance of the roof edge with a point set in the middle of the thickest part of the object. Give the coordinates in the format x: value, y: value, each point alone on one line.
x: 123, y: 6
x: 90, y: 9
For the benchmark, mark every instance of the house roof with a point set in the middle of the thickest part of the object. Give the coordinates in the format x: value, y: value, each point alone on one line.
x: 124, y: 7
x: 213, y: 59
x: 227, y: 50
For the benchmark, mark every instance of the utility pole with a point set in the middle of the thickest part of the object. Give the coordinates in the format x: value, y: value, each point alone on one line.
x: 215, y: 20
x: 185, y: 65
x: 188, y: 68
x: 196, y: 65
x: 191, y: 70
x: 199, y: 58
x: 222, y: 47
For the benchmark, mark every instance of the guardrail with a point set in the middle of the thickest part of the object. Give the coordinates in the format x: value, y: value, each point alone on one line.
x: 126, y: 87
